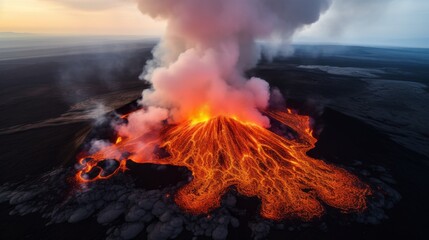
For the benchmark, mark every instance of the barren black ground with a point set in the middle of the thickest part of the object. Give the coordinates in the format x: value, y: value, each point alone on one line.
x: 370, y: 113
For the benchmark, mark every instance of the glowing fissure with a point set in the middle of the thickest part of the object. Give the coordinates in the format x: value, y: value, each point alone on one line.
x: 224, y: 152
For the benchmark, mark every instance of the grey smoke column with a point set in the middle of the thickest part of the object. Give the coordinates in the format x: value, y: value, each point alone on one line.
x: 211, y: 23
x: 208, y: 44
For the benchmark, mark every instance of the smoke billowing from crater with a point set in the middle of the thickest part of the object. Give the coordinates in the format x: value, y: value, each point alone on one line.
x: 199, y: 63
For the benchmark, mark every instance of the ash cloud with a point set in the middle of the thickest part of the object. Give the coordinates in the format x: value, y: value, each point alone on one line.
x: 207, y: 47
x: 208, y: 24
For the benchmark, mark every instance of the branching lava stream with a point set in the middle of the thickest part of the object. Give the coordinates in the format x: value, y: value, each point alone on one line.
x: 224, y: 152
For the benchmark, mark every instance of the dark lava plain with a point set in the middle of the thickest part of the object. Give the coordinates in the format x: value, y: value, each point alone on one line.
x: 369, y: 105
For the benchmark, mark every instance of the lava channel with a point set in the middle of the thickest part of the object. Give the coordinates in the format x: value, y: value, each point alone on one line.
x: 224, y: 152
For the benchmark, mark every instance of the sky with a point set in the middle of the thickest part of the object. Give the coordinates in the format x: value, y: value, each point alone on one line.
x: 364, y: 22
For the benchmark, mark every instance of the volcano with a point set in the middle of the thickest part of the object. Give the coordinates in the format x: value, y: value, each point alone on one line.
x: 351, y: 123
x: 224, y: 152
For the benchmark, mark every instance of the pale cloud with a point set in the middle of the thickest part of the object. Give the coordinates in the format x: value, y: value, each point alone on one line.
x: 91, y: 5
x: 349, y: 14
x: 381, y: 22
x: 57, y: 17
x: 347, y: 21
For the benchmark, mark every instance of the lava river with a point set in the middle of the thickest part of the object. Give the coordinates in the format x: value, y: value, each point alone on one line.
x: 224, y: 152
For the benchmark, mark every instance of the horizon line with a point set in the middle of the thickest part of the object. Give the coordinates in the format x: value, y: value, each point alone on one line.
x: 376, y: 44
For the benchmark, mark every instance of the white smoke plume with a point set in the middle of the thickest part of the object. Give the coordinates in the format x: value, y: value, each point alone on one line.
x: 208, y: 45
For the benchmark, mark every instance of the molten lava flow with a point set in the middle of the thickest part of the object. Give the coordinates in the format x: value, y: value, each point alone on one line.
x: 224, y: 152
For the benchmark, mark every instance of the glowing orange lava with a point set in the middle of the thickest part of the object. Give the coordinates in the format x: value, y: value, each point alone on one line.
x: 223, y: 152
